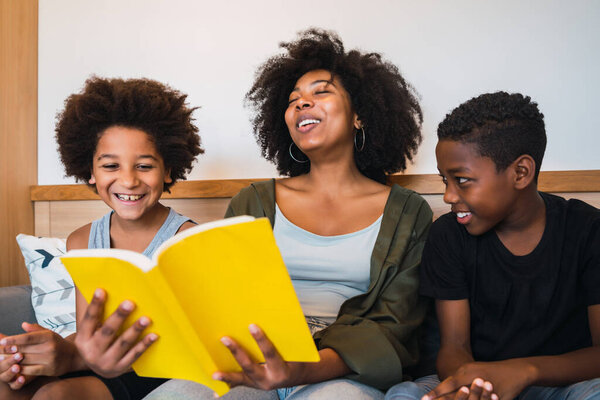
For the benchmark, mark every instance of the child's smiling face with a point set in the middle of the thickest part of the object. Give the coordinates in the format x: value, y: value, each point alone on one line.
x: 128, y: 172
x: 480, y: 196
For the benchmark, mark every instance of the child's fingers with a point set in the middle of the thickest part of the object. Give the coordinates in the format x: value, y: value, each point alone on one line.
x: 17, y: 383
x: 488, y: 389
x: 93, y: 315
x: 462, y: 393
x: 128, y: 339
x: 136, y: 351
x: 107, y: 332
x: 476, y: 389
x: 10, y: 373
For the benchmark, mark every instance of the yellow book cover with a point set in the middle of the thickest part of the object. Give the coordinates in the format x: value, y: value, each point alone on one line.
x: 209, y: 281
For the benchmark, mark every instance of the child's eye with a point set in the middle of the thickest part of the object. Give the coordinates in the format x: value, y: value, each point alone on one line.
x: 461, y: 180
x: 444, y: 180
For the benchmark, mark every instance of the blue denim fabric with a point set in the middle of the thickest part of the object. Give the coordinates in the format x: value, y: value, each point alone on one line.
x: 413, y: 390
x: 586, y: 390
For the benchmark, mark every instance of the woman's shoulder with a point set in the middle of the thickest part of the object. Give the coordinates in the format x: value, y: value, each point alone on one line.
x: 79, y: 238
x: 409, y: 199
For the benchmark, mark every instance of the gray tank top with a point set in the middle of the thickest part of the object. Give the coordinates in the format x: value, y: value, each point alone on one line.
x: 100, y: 232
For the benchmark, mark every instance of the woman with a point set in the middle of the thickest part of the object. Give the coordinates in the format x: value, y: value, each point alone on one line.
x: 335, y: 123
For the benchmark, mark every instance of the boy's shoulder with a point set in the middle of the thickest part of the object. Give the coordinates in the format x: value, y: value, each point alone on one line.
x: 575, y: 215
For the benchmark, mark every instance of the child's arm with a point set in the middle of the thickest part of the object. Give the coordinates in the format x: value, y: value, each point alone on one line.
x: 509, y: 377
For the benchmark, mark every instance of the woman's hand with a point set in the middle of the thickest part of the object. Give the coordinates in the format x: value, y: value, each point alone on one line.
x: 102, y: 350
x: 274, y: 373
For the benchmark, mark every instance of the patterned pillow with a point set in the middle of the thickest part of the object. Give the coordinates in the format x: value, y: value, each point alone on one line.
x: 53, y: 292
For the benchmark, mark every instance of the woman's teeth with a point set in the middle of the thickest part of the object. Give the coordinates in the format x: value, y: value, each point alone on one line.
x: 308, y: 122
x: 129, y: 197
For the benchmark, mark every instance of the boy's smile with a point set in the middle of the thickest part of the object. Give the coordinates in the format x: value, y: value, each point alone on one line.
x: 479, y: 195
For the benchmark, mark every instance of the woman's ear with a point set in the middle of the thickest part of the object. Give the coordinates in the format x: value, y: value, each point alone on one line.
x: 524, y: 169
x: 357, y: 122
x: 92, y: 180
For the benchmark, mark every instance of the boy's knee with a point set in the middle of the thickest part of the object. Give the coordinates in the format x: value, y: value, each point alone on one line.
x: 406, y: 391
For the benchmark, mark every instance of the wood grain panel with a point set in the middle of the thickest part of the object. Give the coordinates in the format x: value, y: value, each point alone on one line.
x: 550, y: 181
x: 59, y: 218
x: 18, y: 131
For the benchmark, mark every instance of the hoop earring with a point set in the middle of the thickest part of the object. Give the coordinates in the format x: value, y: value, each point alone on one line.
x: 294, y: 158
x: 364, y: 139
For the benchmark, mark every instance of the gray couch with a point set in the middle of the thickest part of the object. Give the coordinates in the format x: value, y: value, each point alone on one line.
x: 15, y: 307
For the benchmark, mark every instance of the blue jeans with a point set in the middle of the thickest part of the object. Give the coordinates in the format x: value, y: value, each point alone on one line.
x: 586, y: 390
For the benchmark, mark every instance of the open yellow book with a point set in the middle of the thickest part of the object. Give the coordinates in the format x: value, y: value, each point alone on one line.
x: 204, y: 283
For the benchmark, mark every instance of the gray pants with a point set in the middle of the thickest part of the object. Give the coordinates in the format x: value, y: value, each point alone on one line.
x: 334, y: 389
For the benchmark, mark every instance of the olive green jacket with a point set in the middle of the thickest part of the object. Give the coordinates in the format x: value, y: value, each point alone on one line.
x: 376, y: 332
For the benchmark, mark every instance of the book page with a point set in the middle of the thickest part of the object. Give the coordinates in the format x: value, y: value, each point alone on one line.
x: 230, y: 277
x: 178, y: 353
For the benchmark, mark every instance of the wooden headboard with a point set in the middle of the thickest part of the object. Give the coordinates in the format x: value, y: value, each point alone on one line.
x: 60, y: 209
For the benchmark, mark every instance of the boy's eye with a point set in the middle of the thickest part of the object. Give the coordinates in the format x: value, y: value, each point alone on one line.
x: 444, y: 180
x: 461, y: 180
x: 145, y: 167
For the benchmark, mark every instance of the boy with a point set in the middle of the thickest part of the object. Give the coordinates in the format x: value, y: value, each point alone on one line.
x: 515, y: 272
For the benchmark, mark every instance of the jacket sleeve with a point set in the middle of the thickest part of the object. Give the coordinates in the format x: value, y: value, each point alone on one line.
x: 376, y: 333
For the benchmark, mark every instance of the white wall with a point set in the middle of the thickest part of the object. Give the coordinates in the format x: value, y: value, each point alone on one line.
x: 449, y: 50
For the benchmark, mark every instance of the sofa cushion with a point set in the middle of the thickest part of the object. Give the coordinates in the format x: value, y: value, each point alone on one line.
x: 15, y: 308
x: 53, y: 292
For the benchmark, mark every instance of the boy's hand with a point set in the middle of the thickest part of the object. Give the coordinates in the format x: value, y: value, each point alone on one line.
x: 104, y: 352
x: 40, y: 351
x: 509, y: 378
x: 274, y: 373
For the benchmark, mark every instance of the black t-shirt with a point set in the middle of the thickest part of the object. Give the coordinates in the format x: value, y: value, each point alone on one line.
x: 520, y: 305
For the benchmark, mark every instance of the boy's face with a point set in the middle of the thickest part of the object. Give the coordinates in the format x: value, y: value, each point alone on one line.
x: 480, y: 196
x: 128, y: 172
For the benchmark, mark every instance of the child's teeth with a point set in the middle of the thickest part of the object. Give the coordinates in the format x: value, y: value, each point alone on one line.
x: 462, y: 214
x: 126, y: 197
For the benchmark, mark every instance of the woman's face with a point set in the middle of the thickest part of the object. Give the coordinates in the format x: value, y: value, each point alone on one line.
x: 319, y: 114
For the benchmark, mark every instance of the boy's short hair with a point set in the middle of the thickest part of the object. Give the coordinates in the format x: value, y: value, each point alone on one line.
x: 144, y: 104
x: 502, y: 126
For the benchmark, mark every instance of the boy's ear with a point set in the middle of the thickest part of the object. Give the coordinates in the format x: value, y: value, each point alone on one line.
x: 524, y: 171
x: 168, y: 178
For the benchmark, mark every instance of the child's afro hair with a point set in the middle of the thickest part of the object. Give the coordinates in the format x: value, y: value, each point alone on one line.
x: 144, y: 104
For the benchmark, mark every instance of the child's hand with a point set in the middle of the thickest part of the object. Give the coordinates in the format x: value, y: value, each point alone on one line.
x: 104, y: 352
x: 479, y: 390
x: 509, y: 378
x: 40, y: 351
x: 274, y: 373
x: 9, y: 366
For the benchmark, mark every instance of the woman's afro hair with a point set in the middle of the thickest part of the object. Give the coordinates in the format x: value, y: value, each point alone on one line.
x: 384, y: 102
x: 144, y: 104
